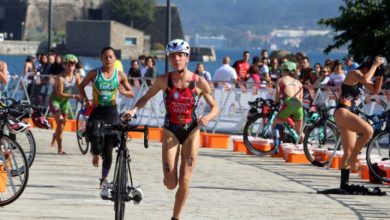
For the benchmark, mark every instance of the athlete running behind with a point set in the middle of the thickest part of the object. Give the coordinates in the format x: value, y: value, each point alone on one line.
x: 107, y: 81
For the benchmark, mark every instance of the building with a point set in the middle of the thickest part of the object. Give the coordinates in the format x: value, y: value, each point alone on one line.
x: 209, y: 41
x: 88, y: 37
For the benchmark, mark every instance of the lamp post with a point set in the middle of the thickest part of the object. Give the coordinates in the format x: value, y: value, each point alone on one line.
x: 168, y: 33
x: 49, y: 28
x: 22, y: 31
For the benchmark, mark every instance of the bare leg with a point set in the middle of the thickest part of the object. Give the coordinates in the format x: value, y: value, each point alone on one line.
x: 170, y: 156
x: 298, y: 129
x: 350, y: 124
x: 60, y: 121
x: 189, y: 157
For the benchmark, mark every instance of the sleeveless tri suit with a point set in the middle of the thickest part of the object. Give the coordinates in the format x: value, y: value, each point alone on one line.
x: 180, y: 105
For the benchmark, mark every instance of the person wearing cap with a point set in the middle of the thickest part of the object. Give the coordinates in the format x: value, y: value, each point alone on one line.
x: 59, y: 103
x: 182, y: 90
x: 107, y: 82
x: 349, y: 64
x: 289, y: 90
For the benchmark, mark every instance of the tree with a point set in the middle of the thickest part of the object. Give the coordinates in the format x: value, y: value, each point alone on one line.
x: 365, y: 24
x: 134, y: 13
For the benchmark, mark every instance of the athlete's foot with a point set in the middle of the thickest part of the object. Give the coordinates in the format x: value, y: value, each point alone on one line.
x: 95, y: 160
x: 103, y: 182
x: 61, y: 152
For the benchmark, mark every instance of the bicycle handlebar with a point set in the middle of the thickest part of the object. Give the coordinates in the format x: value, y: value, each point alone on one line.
x: 125, y: 127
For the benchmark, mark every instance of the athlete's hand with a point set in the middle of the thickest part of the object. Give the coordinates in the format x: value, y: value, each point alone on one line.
x: 88, y: 104
x: 127, y: 115
x: 203, y: 120
x: 378, y: 60
x: 77, y: 97
x: 121, y: 89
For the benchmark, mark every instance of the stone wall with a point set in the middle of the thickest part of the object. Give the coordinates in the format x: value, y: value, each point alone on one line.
x: 19, y: 47
x: 157, y: 29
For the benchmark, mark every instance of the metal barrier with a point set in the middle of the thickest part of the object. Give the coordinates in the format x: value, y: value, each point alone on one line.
x: 233, y: 102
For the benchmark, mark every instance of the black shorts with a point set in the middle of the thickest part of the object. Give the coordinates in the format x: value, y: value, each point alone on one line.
x: 181, y: 132
x: 99, y: 115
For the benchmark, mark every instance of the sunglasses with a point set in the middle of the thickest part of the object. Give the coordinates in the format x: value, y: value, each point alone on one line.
x: 71, y: 63
x: 286, y: 70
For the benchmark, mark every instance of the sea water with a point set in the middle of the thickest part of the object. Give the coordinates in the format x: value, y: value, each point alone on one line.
x: 16, y: 62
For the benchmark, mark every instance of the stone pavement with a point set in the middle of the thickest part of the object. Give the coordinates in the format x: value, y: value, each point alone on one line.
x: 225, y: 185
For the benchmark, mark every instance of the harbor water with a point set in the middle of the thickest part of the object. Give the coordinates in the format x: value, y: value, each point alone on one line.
x: 15, y: 63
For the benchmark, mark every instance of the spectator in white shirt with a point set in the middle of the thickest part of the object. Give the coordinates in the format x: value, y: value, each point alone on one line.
x: 225, y: 74
x: 338, y: 75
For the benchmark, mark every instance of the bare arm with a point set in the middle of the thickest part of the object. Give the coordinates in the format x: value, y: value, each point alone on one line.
x: 89, y: 78
x: 3, y: 72
x: 124, y: 86
x: 365, y: 79
x: 206, y: 92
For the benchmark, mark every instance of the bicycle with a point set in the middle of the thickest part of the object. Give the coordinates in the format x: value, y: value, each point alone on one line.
x: 259, y: 121
x: 122, y: 190
x: 319, y: 141
x: 14, y: 167
x: 81, y: 123
x: 378, y: 151
x: 320, y: 137
x: 15, y: 125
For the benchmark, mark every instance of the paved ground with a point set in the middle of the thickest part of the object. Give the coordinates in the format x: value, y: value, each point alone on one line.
x: 226, y: 185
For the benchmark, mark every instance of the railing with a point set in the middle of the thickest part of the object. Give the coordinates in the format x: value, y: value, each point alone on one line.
x: 233, y: 102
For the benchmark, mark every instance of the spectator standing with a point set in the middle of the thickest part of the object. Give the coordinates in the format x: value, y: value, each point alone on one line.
x: 58, y: 66
x: 242, y: 66
x: 337, y: 77
x: 264, y: 54
x: 305, y: 70
x: 200, y: 71
x: 151, y: 72
x: 254, y: 75
x: 29, y: 66
x: 349, y: 64
x: 323, y: 77
x: 225, y: 74
x: 134, y: 72
x: 142, y: 65
x: 264, y: 71
x: 274, y: 71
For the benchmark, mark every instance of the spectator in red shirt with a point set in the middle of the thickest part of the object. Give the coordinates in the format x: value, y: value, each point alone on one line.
x: 242, y: 66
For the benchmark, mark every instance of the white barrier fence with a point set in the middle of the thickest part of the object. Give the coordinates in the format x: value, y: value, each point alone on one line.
x: 233, y: 102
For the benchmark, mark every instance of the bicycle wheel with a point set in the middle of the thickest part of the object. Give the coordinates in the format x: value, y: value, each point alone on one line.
x: 14, y: 171
x: 82, y: 140
x: 254, y: 129
x: 120, y: 187
x: 26, y: 141
x: 318, y: 140
x: 378, y: 155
